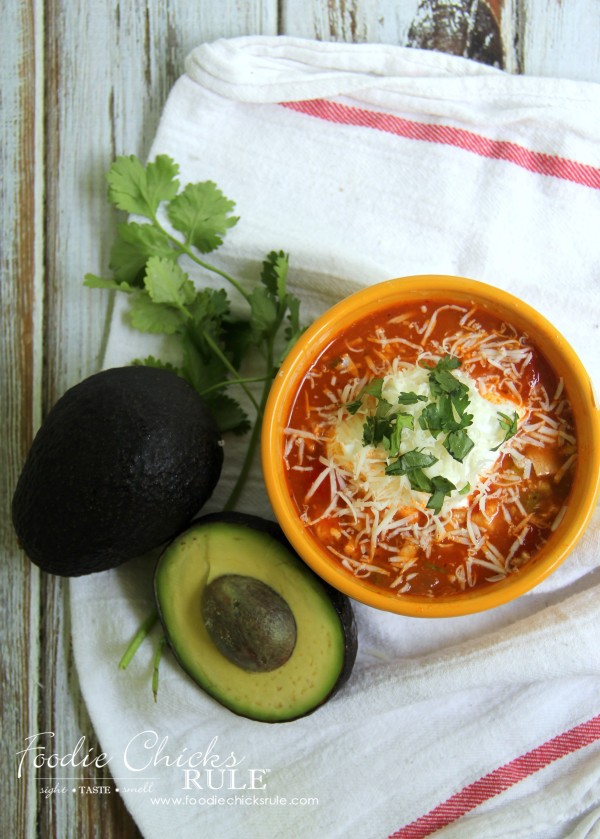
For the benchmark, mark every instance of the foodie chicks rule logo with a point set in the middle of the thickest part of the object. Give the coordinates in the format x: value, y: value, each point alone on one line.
x: 147, y: 758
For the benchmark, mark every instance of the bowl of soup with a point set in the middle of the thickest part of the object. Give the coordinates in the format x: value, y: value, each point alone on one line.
x: 431, y: 446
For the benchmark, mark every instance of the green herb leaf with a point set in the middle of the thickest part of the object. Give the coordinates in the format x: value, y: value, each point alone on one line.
x: 507, y: 424
x: 414, y: 459
x: 376, y: 429
x: 140, y: 189
x: 353, y: 407
x: 374, y: 388
x: 441, y: 379
x: 465, y: 490
x: 167, y: 283
x: 147, y: 316
x: 431, y: 420
x: 134, y: 245
x: 151, y: 361
x: 458, y: 444
x: 441, y: 488
x: 410, y: 398
x: 228, y: 414
x: 274, y: 273
x: 93, y: 281
x: 201, y: 213
x: 419, y: 481
x: 400, y: 422
x: 264, y: 317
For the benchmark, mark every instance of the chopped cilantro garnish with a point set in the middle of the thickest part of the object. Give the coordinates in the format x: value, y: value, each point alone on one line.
x: 458, y: 444
x: 441, y: 488
x: 508, y: 425
x: 446, y: 414
x: 374, y: 388
x: 419, y: 480
x: 414, y: 459
x: 431, y: 420
x: 410, y: 398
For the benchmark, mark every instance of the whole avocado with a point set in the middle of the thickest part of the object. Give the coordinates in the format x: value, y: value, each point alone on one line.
x: 121, y: 464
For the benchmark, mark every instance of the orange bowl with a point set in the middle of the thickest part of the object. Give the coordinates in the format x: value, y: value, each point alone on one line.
x: 549, y: 342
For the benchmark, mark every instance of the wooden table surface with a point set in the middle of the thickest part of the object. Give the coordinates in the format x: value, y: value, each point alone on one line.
x: 82, y: 83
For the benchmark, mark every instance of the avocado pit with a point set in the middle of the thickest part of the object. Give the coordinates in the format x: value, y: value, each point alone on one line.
x: 249, y: 622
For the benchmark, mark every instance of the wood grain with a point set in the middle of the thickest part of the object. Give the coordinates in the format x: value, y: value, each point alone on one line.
x: 79, y: 85
x: 20, y: 355
x: 107, y: 75
x: 560, y: 39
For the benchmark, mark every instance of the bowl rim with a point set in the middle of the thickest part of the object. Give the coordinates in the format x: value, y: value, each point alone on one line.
x: 562, y: 358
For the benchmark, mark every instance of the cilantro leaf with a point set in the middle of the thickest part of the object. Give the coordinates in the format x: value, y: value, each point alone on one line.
x: 134, y: 245
x: 458, y: 444
x: 374, y: 388
x: 93, y: 281
x: 237, y: 339
x: 201, y: 367
x: 431, y: 420
x: 354, y: 406
x: 400, y: 422
x: 151, y: 361
x: 140, y: 189
x: 419, y: 481
x: 376, y: 429
x: 274, y: 273
x: 409, y: 461
x: 441, y: 379
x: 228, y: 414
x: 441, y: 488
x: 201, y: 213
x: 166, y: 282
x: 410, y: 398
x: 293, y: 330
x: 148, y: 316
x: 507, y: 424
x: 263, y: 313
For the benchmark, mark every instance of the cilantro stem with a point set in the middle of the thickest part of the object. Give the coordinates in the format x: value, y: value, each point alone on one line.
x: 156, y: 665
x: 247, y: 380
x: 137, y: 639
x: 223, y: 358
x: 184, y: 248
x: 254, y: 437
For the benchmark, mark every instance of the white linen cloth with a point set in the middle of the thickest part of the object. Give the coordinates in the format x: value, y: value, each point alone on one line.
x: 432, y: 706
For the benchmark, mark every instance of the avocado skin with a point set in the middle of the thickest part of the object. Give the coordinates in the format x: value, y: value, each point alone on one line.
x: 120, y: 465
x: 340, y: 602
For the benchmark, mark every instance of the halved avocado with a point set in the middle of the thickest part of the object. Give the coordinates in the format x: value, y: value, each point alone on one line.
x: 250, y: 622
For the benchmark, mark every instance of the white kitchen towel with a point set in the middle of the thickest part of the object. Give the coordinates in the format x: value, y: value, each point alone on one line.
x: 367, y: 162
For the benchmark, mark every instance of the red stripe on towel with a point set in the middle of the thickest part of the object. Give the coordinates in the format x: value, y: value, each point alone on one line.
x: 501, y: 779
x: 533, y: 161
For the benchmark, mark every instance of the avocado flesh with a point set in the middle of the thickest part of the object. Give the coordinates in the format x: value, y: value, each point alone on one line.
x: 210, y: 550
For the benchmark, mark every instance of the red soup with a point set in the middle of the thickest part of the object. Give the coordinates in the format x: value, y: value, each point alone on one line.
x: 431, y: 449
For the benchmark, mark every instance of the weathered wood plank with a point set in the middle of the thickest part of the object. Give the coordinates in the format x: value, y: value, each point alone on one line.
x: 20, y: 367
x: 108, y: 73
x: 561, y: 39
x: 355, y: 21
x: 461, y: 27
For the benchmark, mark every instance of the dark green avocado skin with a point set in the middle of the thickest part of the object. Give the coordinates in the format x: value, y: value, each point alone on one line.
x: 121, y: 464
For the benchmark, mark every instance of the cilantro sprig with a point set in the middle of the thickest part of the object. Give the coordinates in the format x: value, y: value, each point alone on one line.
x: 146, y: 263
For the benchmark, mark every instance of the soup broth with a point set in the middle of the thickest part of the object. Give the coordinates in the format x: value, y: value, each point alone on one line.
x: 431, y: 449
